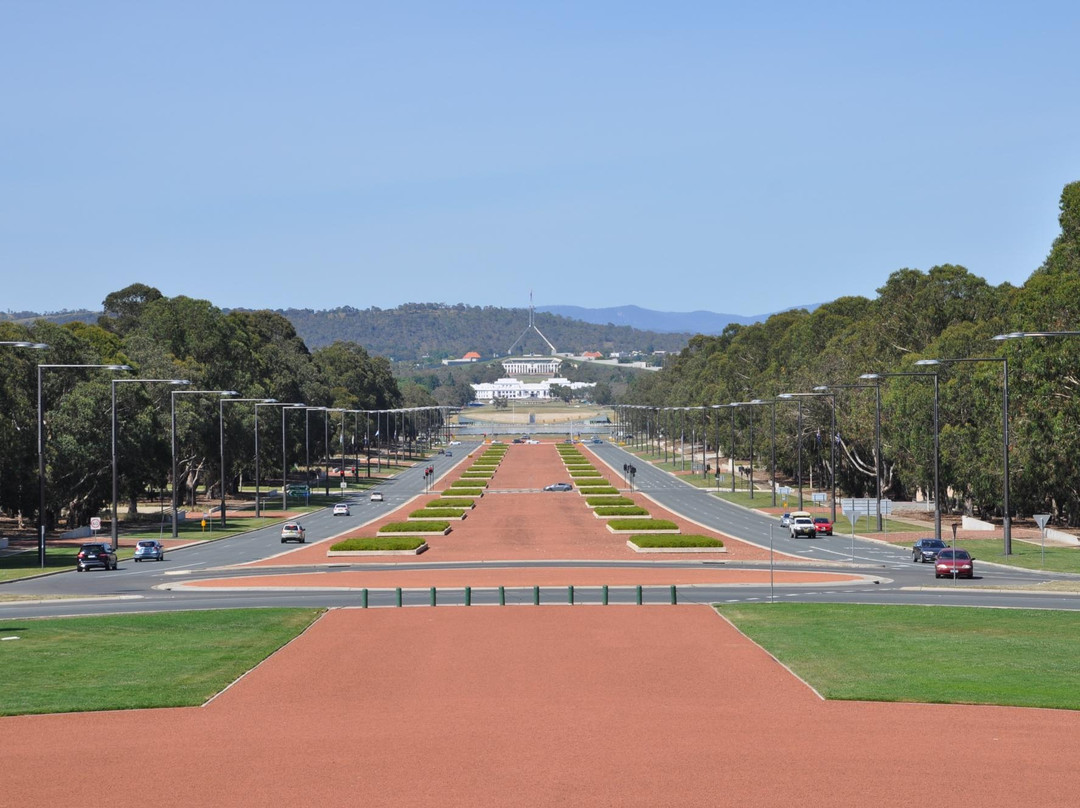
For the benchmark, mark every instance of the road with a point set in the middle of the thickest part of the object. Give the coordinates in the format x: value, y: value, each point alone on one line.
x: 891, y: 577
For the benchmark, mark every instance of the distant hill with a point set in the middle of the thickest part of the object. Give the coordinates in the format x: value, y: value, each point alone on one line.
x: 664, y: 322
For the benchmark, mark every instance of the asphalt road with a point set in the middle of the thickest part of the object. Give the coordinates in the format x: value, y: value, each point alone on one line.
x: 892, y: 578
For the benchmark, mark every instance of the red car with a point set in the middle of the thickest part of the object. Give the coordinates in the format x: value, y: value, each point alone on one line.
x: 823, y: 525
x: 954, y: 564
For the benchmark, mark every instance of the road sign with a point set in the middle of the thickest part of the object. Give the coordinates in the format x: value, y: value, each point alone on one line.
x: 344, y: 485
x: 1041, y: 519
x: 818, y: 497
x: 95, y: 523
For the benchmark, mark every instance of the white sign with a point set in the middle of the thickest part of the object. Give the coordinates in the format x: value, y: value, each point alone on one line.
x: 1041, y: 519
x: 818, y: 497
x: 344, y: 485
x: 95, y: 523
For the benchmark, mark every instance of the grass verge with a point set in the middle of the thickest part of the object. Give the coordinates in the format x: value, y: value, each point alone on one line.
x: 1016, y: 657
x: 175, y: 659
x: 378, y: 544
x: 662, y: 540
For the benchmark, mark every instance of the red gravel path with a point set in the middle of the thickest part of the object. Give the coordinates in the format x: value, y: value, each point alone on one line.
x: 527, y: 706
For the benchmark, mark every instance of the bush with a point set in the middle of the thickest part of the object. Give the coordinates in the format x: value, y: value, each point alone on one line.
x: 415, y: 527
x: 676, y: 541
x: 630, y: 510
x: 642, y: 524
x: 377, y: 544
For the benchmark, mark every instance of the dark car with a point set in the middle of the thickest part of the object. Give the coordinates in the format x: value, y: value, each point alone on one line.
x: 823, y: 525
x: 926, y: 549
x: 147, y: 549
x: 953, y: 563
x: 559, y: 487
x: 95, y: 555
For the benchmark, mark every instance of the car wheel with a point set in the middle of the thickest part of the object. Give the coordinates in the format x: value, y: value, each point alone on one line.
x: 303, y: 541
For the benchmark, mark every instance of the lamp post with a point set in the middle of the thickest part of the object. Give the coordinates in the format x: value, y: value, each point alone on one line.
x: 307, y: 447
x: 114, y: 528
x: 41, y: 447
x: 876, y: 387
x: 172, y: 440
x: 832, y: 445
x: 751, y: 473
x: 772, y: 445
x: 798, y: 443
x: 284, y: 461
x: 937, y: 441
x: 221, y: 443
x: 1006, y: 521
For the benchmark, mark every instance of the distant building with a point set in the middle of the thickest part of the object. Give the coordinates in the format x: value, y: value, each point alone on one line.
x: 516, y: 389
x: 532, y: 366
x: 471, y: 356
x: 592, y: 355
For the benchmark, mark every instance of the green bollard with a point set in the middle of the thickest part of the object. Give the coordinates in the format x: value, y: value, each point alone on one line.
x: 639, y: 594
x: 399, y: 596
x: 674, y: 596
x: 604, y: 596
x: 536, y: 596
x: 468, y: 596
x: 570, y: 594
x: 502, y: 595
x: 433, y: 598
x: 363, y: 598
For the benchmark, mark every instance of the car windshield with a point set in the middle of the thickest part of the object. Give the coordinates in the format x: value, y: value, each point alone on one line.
x: 933, y: 543
x: 146, y: 544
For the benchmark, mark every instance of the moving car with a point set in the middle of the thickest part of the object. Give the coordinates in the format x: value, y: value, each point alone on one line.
x: 95, y: 555
x: 952, y: 563
x: 559, y: 487
x: 802, y: 526
x: 454, y: 443
x: 823, y: 525
x: 291, y: 531
x: 341, y: 509
x: 449, y: 453
x: 785, y: 520
x: 926, y: 549
x: 147, y: 549
x: 376, y: 496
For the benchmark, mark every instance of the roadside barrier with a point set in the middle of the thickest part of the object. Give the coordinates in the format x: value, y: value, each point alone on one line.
x: 598, y: 594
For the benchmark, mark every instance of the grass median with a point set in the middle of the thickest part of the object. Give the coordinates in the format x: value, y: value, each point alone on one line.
x: 128, y: 662
x: 962, y: 655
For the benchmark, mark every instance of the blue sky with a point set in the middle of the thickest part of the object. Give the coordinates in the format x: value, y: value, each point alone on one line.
x: 735, y: 157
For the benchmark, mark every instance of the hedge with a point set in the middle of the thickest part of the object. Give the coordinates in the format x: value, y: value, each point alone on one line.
x: 457, y: 502
x: 376, y: 544
x: 593, y: 490
x: 629, y: 510
x: 642, y: 524
x: 646, y: 540
x: 415, y: 527
x: 610, y: 501
x: 473, y: 483
x: 437, y: 513
x: 466, y: 492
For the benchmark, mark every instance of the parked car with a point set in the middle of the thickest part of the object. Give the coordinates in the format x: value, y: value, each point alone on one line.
x: 376, y: 496
x: 823, y: 525
x: 802, y: 526
x: 952, y: 563
x: 95, y: 555
x: 517, y: 440
x: 785, y: 520
x: 147, y: 549
x: 559, y: 487
x: 926, y: 549
x: 291, y: 531
x: 341, y: 509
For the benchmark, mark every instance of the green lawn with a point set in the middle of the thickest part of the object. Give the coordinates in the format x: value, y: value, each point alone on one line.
x: 129, y: 662
x: 1023, y: 658
x: 1024, y: 554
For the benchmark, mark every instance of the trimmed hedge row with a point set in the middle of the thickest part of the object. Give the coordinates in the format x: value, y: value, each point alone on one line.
x: 610, y: 501
x: 593, y: 490
x: 415, y: 527
x: 474, y: 483
x: 437, y: 513
x: 454, y: 502
x: 661, y: 540
x: 466, y: 492
x: 377, y: 544
x: 642, y: 524
x: 627, y: 510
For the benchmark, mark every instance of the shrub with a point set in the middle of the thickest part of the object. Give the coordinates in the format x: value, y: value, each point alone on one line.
x: 642, y: 524
x: 376, y: 544
x: 676, y: 541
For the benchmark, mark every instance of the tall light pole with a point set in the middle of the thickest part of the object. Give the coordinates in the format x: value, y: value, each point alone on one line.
x: 41, y: 448
x: 937, y: 440
x: 772, y: 445
x: 832, y: 444
x: 114, y: 528
x: 284, y: 460
x: 307, y: 447
x: 172, y: 439
x: 221, y: 442
x: 750, y: 405
x: 876, y: 387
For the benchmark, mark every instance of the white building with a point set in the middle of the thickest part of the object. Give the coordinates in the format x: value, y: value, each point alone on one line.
x: 532, y: 366
x: 510, y: 388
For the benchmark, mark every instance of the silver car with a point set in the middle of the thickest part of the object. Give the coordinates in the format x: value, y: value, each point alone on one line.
x: 149, y: 550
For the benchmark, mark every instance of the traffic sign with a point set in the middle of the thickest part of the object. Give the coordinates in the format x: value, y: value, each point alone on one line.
x: 818, y: 497
x: 1041, y: 519
x: 95, y: 523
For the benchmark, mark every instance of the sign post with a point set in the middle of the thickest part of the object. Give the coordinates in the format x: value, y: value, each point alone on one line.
x: 1041, y: 519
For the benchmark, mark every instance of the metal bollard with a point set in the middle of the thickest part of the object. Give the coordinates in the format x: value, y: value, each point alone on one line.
x: 604, y: 595
x: 363, y: 598
x: 433, y: 598
x: 570, y: 594
x: 399, y: 596
x: 536, y: 596
x: 674, y: 596
x: 502, y: 595
x: 468, y: 596
x: 639, y: 594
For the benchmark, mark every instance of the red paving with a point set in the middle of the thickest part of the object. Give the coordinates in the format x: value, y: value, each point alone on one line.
x: 536, y: 706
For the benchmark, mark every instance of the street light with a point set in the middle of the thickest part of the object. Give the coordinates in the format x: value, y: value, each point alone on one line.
x: 937, y: 441
x: 798, y: 443
x: 772, y: 446
x: 1006, y: 521
x: 172, y: 439
x: 114, y: 528
x: 749, y: 404
x: 832, y: 443
x: 284, y: 461
x: 221, y: 439
x: 876, y: 387
x: 307, y: 448
x: 41, y: 448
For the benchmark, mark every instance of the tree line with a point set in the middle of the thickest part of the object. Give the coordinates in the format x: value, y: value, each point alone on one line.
x: 943, y: 313
x: 258, y: 354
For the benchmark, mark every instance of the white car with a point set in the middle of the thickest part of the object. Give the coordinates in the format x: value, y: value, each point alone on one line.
x: 376, y: 496
x: 291, y: 531
x: 341, y: 509
x: 454, y: 443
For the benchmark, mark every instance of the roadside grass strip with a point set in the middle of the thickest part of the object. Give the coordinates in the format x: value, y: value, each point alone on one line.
x: 593, y: 490
x: 56, y: 662
x: 960, y: 655
x: 481, y: 474
x: 438, y: 513
x: 376, y: 545
x: 452, y: 502
x: 642, y: 526
x: 418, y: 528
x: 582, y: 474
x: 664, y: 540
x: 472, y: 483
x: 465, y: 492
x: 620, y: 510
x: 608, y: 501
